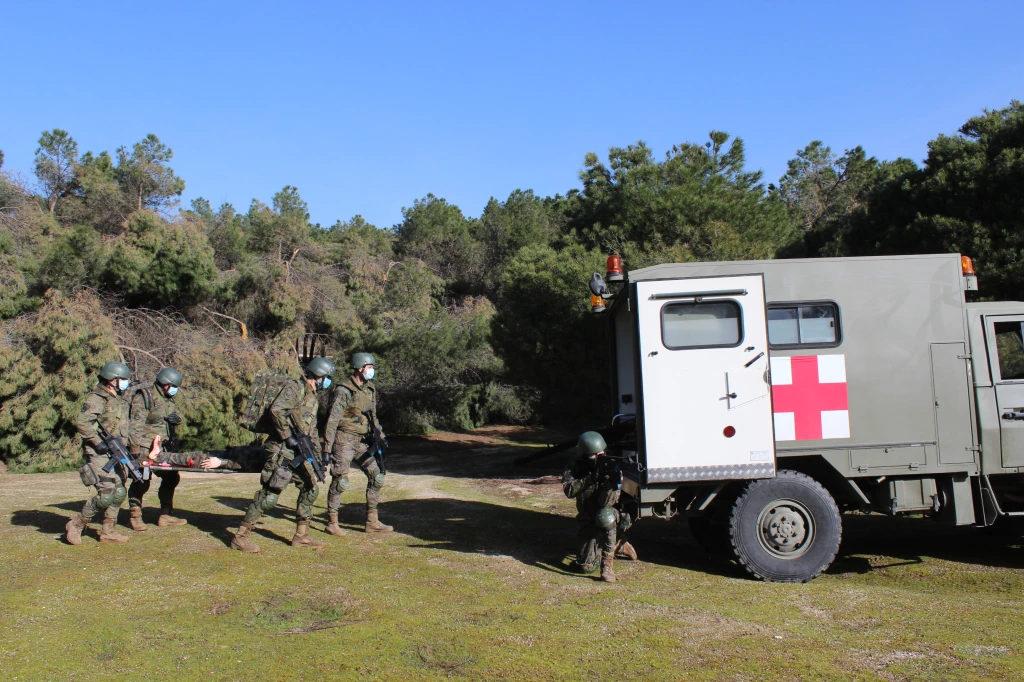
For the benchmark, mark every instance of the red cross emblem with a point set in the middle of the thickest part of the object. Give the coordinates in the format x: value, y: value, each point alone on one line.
x: 809, y: 397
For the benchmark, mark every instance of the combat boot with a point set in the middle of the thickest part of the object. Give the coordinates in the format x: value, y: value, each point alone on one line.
x: 607, y: 572
x: 373, y: 525
x: 332, y: 526
x: 241, y: 541
x: 302, y: 539
x: 624, y: 550
x: 73, y: 531
x: 167, y: 519
x: 109, y: 532
x: 135, y: 519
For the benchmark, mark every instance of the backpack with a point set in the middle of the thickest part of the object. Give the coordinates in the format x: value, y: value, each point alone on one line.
x: 266, y: 387
x: 147, y: 399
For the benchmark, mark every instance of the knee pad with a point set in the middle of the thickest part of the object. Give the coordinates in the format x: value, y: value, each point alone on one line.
x: 377, y: 481
x: 339, y: 484
x: 312, y: 493
x: 266, y: 502
x: 111, y: 497
x: 606, y: 518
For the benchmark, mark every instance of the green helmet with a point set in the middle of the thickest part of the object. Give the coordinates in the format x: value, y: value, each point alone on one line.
x: 320, y: 367
x: 115, y: 370
x: 590, y: 443
x: 606, y: 518
x: 360, y: 360
x: 169, y: 377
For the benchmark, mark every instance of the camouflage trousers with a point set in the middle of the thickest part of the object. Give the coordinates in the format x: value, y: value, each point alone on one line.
x: 595, y: 540
x: 110, y: 491
x: 275, y: 477
x: 168, y: 482
x: 349, y: 447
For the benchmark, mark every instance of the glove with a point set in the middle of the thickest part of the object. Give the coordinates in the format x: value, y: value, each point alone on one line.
x: 291, y: 442
x: 101, y: 448
x: 174, y: 419
x: 326, y: 456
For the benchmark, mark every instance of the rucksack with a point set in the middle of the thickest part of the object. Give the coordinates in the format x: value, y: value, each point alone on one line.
x: 266, y: 387
x: 147, y: 399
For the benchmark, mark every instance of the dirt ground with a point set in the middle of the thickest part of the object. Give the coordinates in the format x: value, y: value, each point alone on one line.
x: 474, y: 584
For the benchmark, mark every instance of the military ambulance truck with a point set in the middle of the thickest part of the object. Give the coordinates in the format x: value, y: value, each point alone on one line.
x: 770, y: 396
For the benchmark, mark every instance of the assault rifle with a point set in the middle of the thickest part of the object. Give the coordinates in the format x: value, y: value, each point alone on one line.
x: 307, y: 452
x: 608, y: 471
x: 378, y: 442
x: 614, y: 434
x: 118, y: 454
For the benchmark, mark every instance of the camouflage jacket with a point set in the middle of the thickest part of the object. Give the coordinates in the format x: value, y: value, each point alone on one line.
x: 102, y: 408
x: 348, y: 403
x: 578, y: 483
x: 148, y: 422
x: 296, y: 400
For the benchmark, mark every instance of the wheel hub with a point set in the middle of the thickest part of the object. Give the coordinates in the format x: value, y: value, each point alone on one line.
x: 786, y: 528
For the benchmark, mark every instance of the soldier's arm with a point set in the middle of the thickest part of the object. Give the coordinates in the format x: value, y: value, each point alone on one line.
x: 137, y: 415
x: 87, y: 419
x: 341, y: 399
x: 281, y: 410
x: 574, y: 481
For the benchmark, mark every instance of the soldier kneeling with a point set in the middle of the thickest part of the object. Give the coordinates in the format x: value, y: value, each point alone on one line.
x: 602, y: 526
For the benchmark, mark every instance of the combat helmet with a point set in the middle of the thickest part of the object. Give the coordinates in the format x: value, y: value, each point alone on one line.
x: 590, y: 443
x: 115, y: 370
x: 360, y: 360
x: 320, y: 367
x: 169, y: 376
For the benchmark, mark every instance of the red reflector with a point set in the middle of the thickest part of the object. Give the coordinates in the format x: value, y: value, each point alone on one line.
x: 728, y: 432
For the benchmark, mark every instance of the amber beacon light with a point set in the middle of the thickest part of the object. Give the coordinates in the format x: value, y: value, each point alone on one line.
x: 966, y: 264
x: 614, y: 273
x: 596, y: 304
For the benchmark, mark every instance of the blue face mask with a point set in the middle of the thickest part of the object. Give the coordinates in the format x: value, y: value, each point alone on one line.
x: 368, y: 373
x: 325, y: 382
x: 171, y: 390
x: 123, y: 384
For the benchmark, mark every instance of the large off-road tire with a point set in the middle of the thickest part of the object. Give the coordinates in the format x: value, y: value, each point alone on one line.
x: 785, y: 529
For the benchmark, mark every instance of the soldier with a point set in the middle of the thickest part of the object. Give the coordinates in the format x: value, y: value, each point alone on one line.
x: 353, y: 405
x: 293, y: 413
x: 106, y: 407
x: 152, y: 414
x: 596, y: 499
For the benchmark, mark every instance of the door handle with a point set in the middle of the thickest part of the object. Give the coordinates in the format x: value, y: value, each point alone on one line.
x: 732, y: 396
x: 1013, y: 416
x: 756, y: 358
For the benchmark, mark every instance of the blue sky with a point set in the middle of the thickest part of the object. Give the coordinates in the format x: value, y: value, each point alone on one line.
x: 366, y: 107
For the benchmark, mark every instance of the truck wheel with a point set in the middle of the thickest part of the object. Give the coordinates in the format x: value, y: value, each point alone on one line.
x: 785, y: 529
x: 711, y: 534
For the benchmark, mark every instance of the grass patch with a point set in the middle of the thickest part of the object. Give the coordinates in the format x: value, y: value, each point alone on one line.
x: 474, y: 585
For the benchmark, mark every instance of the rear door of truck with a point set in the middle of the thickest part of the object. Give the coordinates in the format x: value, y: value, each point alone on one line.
x: 706, y: 410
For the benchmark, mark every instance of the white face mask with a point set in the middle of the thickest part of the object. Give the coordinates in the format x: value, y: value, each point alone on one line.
x: 171, y: 390
x: 368, y: 373
x: 122, y: 384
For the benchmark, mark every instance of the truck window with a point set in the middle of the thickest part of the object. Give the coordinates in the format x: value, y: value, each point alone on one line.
x: 707, y: 324
x: 803, y: 324
x: 1010, y: 349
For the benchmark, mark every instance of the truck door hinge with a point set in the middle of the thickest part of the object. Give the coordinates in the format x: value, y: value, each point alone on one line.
x: 968, y: 356
x: 973, y: 448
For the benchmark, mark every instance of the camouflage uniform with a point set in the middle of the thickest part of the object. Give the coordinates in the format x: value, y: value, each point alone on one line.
x: 110, y: 410
x: 243, y: 459
x: 592, y: 496
x: 148, y: 409
x: 345, y: 438
x: 296, y: 400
